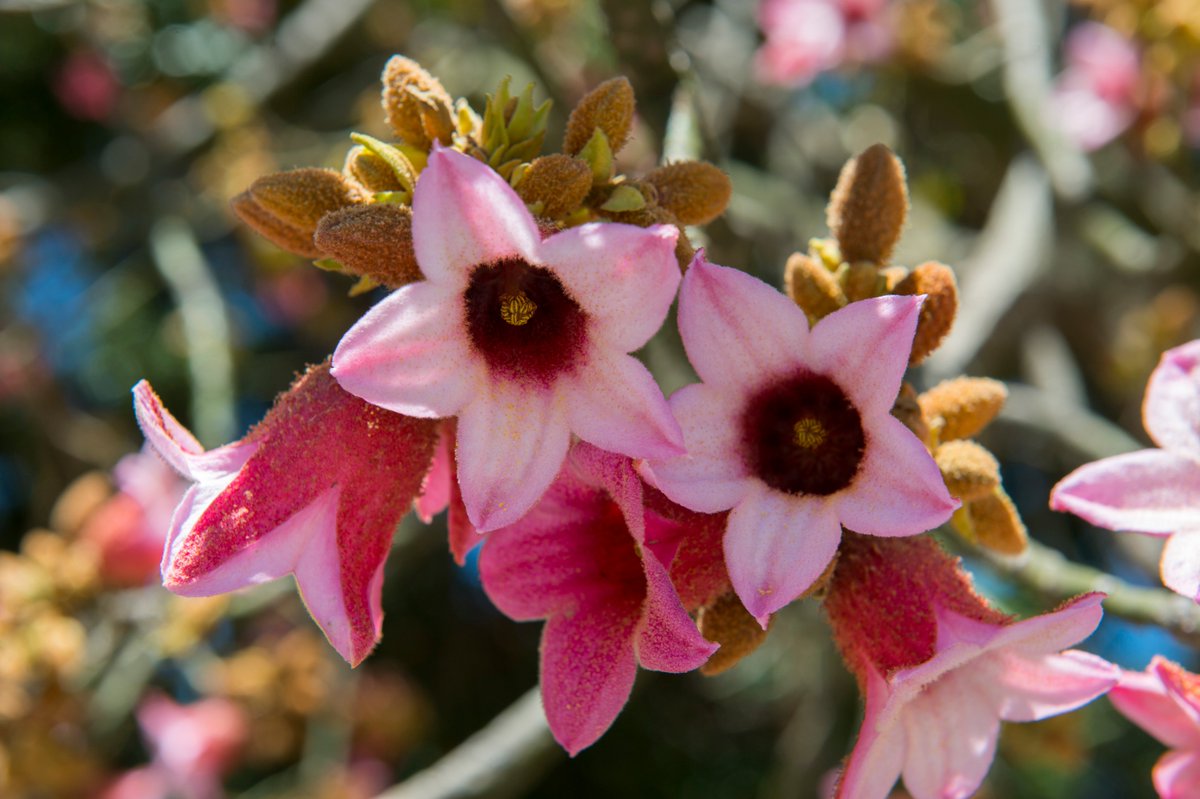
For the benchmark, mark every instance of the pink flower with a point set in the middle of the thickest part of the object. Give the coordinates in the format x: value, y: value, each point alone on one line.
x: 792, y: 429
x: 1095, y: 97
x: 940, y: 668
x: 315, y: 490
x: 523, y: 340
x: 1154, y: 491
x: 807, y: 37
x: 593, y: 562
x: 1165, y: 702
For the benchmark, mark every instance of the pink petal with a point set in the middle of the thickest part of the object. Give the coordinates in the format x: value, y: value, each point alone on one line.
x: 615, y: 475
x: 175, y: 444
x: 435, y: 490
x: 898, y: 490
x: 1180, y: 564
x: 1149, y: 491
x: 1142, y: 698
x: 712, y: 476
x: 1032, y: 689
x: 874, y: 765
x: 668, y: 640
x: 465, y: 214
x: 1053, y: 632
x: 776, y: 547
x: 736, y: 329
x: 865, y: 348
x: 952, y: 732
x: 511, y: 443
x: 1181, y: 685
x: 1171, y: 411
x: 614, y: 403
x: 1177, y: 775
x: 624, y: 277
x: 410, y: 354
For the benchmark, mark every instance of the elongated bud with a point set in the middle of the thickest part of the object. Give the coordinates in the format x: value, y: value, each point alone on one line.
x: 963, y: 406
x: 370, y: 171
x: 936, y: 282
x: 372, y: 241
x: 970, y: 471
x: 996, y: 525
x: 609, y: 108
x: 869, y: 205
x: 860, y: 281
x: 559, y: 183
x: 725, y: 621
x: 415, y: 104
x: 300, y: 197
x: 297, y: 241
x: 812, y: 287
x: 694, y: 191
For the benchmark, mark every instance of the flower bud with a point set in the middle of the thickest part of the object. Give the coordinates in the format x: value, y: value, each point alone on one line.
x: 970, y: 471
x: 559, y: 182
x: 372, y: 241
x: 964, y: 405
x: 869, y: 205
x: 415, y: 104
x: 726, y: 621
x: 936, y: 282
x: 609, y: 108
x: 812, y: 287
x: 694, y: 191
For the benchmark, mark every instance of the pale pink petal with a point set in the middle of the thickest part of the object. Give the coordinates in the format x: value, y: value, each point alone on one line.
x: 614, y: 403
x: 624, y: 277
x: 736, y: 329
x: 952, y: 729
x: 776, y: 547
x: 435, y: 490
x: 1171, y: 411
x: 668, y: 639
x: 898, y: 490
x: 864, y: 347
x: 1181, y: 685
x: 1031, y: 689
x: 712, y: 476
x: 874, y: 765
x: 1053, y: 632
x: 1142, y: 698
x: 1150, y: 491
x: 465, y: 214
x: 1176, y: 775
x: 410, y: 354
x: 511, y: 443
x: 1180, y: 566
x: 177, y: 446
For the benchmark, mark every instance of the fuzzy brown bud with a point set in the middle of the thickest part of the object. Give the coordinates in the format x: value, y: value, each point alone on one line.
x: 560, y: 183
x: 964, y: 405
x: 907, y: 408
x: 936, y: 282
x: 727, y: 622
x: 300, y: 197
x: 970, y: 471
x: 372, y: 241
x: 997, y: 525
x: 370, y: 171
x: 860, y: 281
x: 415, y: 104
x: 869, y: 205
x: 608, y: 107
x: 288, y: 237
x: 694, y: 191
x: 812, y: 287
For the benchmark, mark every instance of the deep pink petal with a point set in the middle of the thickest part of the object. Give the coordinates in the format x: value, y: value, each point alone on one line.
x: 435, y: 490
x: 952, y: 731
x: 776, y: 547
x: 615, y: 475
x: 1035, y: 688
x: 668, y: 639
x: 1171, y: 411
x: 465, y: 214
x: 878, y: 756
x: 175, y: 444
x: 1180, y: 564
x: 1142, y: 698
x: 623, y: 276
x: 1149, y: 491
x: 865, y: 348
x: 410, y: 354
x: 898, y: 490
x: 1176, y: 775
x: 736, y: 329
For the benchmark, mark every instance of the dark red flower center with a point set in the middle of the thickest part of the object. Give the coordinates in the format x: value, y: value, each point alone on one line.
x: 802, y: 435
x: 523, y: 322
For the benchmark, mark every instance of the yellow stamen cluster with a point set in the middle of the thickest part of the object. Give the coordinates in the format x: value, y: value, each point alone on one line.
x: 808, y: 433
x: 516, y: 308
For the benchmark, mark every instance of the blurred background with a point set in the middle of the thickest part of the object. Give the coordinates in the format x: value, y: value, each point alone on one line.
x: 1051, y: 149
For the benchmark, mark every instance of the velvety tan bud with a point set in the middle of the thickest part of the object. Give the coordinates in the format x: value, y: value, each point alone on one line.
x: 288, y: 237
x: 608, y: 107
x: 300, y: 197
x: 812, y: 287
x: 965, y: 405
x: 695, y: 191
x: 997, y: 525
x: 860, y: 281
x: 372, y: 241
x: 970, y: 471
x: 560, y: 183
x: 727, y: 622
x: 907, y: 408
x: 936, y: 282
x: 416, y: 105
x: 370, y: 171
x: 869, y: 205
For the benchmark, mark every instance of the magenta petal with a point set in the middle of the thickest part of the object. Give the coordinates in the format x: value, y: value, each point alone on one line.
x: 1181, y: 564
x: 866, y: 345
x: 736, y: 329
x: 465, y: 214
x: 624, y: 277
x: 435, y: 490
x: 531, y: 572
x: 1171, y: 411
x: 410, y: 354
x: 668, y: 640
x: 175, y: 444
x: 1142, y: 698
x: 1150, y: 491
x: 776, y: 547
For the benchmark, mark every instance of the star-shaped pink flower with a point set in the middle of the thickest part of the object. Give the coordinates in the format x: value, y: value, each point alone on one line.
x: 315, y: 490
x: 1154, y: 491
x: 792, y: 429
x: 525, y: 340
x: 592, y: 561
x: 1164, y: 700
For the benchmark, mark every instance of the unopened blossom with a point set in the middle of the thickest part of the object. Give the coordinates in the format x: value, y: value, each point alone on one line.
x: 315, y: 490
x: 808, y: 37
x: 593, y: 562
x: 940, y: 669
x: 1155, y: 491
x: 1164, y: 700
x: 524, y: 340
x: 1095, y: 97
x: 792, y: 430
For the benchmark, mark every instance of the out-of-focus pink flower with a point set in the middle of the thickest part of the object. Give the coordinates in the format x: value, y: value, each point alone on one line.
x: 1164, y: 700
x: 793, y: 430
x: 524, y: 340
x: 593, y: 562
x: 1095, y: 97
x: 807, y: 37
x: 86, y: 86
x: 315, y: 490
x: 1154, y: 491
x: 940, y: 669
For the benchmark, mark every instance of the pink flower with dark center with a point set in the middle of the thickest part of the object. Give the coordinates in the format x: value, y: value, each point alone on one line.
x: 592, y: 561
x: 940, y: 668
x: 1095, y: 97
x: 1155, y: 491
x: 808, y: 37
x: 1164, y: 700
x: 524, y: 340
x: 315, y: 490
x: 792, y: 430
